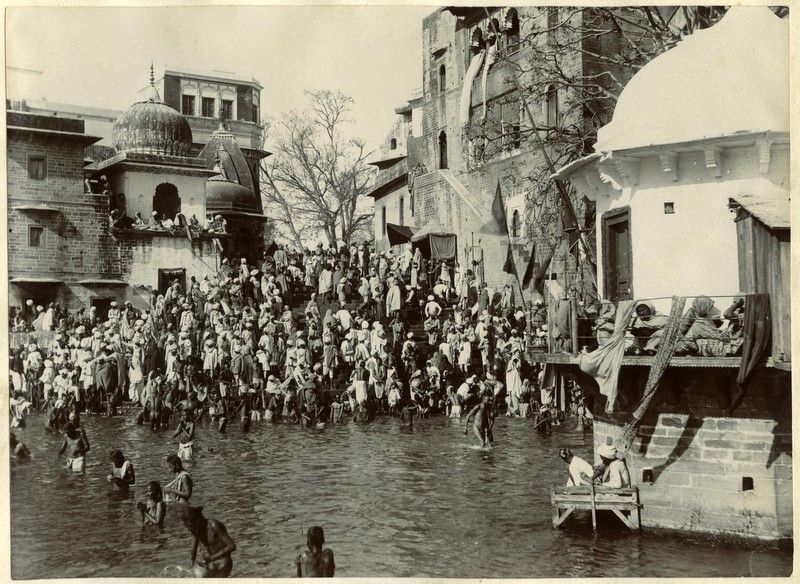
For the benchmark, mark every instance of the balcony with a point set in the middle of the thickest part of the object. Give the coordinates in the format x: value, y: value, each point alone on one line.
x: 714, y: 340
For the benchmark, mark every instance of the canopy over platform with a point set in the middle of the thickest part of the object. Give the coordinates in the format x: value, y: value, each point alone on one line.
x: 435, y: 242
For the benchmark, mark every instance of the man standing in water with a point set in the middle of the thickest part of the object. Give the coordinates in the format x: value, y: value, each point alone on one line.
x: 484, y: 420
x: 78, y: 444
x: 216, y: 560
x: 315, y: 561
x: 122, y: 474
x: 185, y: 430
x: 180, y: 488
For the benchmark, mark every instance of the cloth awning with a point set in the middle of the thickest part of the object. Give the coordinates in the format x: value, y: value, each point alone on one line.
x: 435, y: 242
x: 34, y: 280
x: 398, y: 234
x: 39, y: 208
x: 102, y: 282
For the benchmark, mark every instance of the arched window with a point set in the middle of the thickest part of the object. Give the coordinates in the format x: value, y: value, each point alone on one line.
x: 492, y: 31
x: 393, y: 144
x: 442, y: 150
x: 512, y: 30
x: 551, y: 107
x: 552, y: 16
x: 476, y: 42
x: 442, y: 78
x: 166, y: 201
x: 515, y: 224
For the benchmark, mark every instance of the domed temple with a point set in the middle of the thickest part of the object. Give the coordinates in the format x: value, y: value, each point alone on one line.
x: 91, y: 224
x: 232, y: 194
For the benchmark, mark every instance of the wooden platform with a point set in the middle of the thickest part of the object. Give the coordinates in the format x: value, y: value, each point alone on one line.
x: 624, y: 503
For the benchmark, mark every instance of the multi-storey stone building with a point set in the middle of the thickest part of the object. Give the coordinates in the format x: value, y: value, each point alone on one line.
x: 475, y: 133
x: 393, y: 188
x: 63, y: 244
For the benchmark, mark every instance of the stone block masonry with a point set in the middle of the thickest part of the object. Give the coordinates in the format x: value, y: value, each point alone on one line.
x: 713, y: 474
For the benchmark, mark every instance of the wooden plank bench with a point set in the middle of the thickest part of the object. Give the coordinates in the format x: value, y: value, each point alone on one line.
x: 624, y: 503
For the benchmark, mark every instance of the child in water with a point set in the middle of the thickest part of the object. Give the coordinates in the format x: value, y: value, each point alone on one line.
x: 316, y: 562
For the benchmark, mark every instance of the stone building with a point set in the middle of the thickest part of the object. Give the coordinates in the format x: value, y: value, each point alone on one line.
x: 392, y: 191
x: 63, y: 245
x: 691, y: 181
x: 57, y: 233
x: 475, y: 134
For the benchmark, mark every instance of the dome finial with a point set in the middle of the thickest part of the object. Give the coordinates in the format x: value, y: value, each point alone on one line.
x: 151, y: 92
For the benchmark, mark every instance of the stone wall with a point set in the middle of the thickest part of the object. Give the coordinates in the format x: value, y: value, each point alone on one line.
x: 445, y: 42
x: 700, y: 469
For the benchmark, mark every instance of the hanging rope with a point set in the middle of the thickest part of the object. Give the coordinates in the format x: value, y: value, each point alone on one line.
x: 666, y: 347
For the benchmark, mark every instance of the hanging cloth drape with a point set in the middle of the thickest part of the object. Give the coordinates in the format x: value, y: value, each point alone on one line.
x: 466, y: 89
x: 491, y: 54
x: 604, y: 363
x: 757, y: 332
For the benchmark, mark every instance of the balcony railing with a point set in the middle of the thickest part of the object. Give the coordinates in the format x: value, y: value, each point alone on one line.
x: 713, y: 338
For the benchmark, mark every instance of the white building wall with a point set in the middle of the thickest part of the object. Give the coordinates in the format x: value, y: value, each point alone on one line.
x: 391, y: 202
x: 171, y: 253
x: 140, y: 187
x: 693, y: 251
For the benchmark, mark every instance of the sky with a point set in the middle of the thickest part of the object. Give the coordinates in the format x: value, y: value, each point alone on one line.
x: 100, y: 57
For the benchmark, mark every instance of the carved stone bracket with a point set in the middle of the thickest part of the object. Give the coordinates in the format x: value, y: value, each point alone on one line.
x: 628, y: 168
x: 713, y: 156
x: 669, y: 163
x: 764, y: 149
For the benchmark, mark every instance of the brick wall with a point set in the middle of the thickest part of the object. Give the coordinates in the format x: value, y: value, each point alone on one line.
x: 74, y: 241
x: 700, y: 457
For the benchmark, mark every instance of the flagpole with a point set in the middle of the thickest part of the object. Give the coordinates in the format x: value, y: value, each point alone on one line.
x: 499, y: 194
x: 562, y: 191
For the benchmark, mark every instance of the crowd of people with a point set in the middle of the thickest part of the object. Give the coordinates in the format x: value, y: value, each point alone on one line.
x: 309, y: 338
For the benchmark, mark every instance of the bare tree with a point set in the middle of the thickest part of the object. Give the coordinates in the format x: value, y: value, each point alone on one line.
x: 610, y: 44
x: 318, y: 177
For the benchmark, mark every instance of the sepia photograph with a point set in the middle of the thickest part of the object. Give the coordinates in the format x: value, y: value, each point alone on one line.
x: 399, y: 291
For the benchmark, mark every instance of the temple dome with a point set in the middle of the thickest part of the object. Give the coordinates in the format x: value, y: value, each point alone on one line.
x: 234, y: 165
x: 223, y: 195
x: 233, y: 188
x: 152, y: 127
x: 731, y: 78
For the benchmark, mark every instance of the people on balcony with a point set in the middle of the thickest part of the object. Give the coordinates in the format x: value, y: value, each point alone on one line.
x: 647, y: 328
x: 701, y: 332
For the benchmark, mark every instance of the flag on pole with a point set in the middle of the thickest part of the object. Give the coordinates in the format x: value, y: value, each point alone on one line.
x: 510, y: 267
x: 529, y: 269
x: 498, y: 224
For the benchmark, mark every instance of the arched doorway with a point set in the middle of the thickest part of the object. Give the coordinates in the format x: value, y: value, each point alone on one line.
x: 166, y: 201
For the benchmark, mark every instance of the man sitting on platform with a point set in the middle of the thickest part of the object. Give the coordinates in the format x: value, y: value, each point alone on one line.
x: 615, y: 472
x: 580, y: 471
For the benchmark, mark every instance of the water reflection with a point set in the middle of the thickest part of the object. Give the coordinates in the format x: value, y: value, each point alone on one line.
x: 393, y: 502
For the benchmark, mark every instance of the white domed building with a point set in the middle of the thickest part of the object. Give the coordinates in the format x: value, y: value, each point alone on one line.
x: 691, y: 183
x: 155, y: 176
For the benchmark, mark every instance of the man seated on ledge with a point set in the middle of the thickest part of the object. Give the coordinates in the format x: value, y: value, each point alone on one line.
x: 614, y: 471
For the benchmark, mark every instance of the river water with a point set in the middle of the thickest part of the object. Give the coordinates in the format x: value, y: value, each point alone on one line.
x: 393, y: 502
